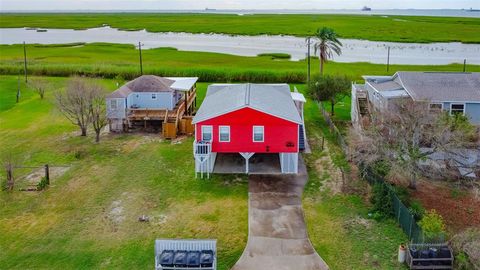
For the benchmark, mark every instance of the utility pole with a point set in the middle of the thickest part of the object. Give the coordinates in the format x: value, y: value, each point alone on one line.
x: 140, y: 51
x: 308, y: 59
x: 388, y: 58
x: 464, y: 65
x: 25, y: 61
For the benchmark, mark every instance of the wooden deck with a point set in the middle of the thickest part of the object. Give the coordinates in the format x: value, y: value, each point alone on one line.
x: 170, y: 118
x: 163, y: 114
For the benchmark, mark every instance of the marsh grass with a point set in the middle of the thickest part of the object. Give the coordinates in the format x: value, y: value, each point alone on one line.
x: 118, y: 60
x: 382, y: 28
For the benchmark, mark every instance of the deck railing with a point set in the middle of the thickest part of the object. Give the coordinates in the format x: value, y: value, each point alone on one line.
x: 162, y: 113
x: 202, y: 148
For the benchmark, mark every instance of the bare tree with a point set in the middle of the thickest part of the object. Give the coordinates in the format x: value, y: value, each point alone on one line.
x: 98, y: 110
x: 412, y: 139
x: 39, y: 85
x: 75, y: 103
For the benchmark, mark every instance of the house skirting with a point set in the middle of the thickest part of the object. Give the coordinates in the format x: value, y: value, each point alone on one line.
x: 289, y: 162
x: 247, y: 163
x: 204, y: 164
x: 115, y: 125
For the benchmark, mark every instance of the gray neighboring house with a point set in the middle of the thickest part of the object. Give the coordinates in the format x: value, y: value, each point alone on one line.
x: 449, y: 91
x: 150, y: 98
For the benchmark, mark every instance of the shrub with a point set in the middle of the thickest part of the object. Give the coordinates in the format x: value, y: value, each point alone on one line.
x: 466, y: 246
x: 3, y: 183
x: 211, y: 74
x: 461, y: 262
x: 381, y: 168
x: 382, y: 201
x: 403, y: 194
x: 417, y: 210
x: 42, y: 184
x: 276, y: 55
x: 432, y: 225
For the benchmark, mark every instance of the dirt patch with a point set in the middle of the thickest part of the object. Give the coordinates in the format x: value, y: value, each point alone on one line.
x: 331, y: 174
x: 357, y: 223
x: 37, y: 175
x: 138, y: 141
x: 116, y: 213
x: 460, y: 209
x: 179, y: 139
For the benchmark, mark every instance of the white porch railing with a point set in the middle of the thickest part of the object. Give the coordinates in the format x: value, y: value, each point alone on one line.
x: 202, y: 152
x: 202, y: 148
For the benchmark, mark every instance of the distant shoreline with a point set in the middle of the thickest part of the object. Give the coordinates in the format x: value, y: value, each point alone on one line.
x: 466, y: 12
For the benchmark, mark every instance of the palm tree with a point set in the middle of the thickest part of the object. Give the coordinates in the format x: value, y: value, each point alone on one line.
x: 327, y: 44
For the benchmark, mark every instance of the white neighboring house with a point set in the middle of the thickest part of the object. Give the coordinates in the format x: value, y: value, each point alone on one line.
x: 455, y: 92
x: 150, y: 98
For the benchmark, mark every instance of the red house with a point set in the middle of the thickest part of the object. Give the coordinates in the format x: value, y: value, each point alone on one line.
x: 249, y: 128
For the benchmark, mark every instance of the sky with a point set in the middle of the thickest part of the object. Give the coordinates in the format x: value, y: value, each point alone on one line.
x: 6, y: 5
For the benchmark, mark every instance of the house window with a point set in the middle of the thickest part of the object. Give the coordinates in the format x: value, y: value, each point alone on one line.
x: 458, y: 108
x: 154, y: 96
x: 435, y: 107
x: 206, y: 133
x: 224, y: 133
x: 113, y: 105
x: 258, y: 133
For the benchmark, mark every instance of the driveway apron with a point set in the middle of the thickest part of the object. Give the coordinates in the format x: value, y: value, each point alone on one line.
x: 277, y: 237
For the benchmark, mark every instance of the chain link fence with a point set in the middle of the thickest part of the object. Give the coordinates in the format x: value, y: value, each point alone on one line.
x: 402, y: 213
x: 335, y: 131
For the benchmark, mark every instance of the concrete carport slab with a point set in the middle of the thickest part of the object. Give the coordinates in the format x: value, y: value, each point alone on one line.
x: 259, y: 163
x: 277, y: 237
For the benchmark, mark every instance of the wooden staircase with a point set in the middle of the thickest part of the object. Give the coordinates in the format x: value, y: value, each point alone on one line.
x: 363, y: 106
x: 172, y: 118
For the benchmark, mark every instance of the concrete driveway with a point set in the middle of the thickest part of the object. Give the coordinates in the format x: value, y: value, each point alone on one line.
x: 277, y: 237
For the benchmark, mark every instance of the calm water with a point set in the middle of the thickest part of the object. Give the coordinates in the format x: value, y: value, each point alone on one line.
x: 400, y: 12
x: 353, y: 50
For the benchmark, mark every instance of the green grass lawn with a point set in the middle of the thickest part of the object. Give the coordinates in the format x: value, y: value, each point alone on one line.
x: 382, y: 28
x: 88, y: 217
x: 111, y: 60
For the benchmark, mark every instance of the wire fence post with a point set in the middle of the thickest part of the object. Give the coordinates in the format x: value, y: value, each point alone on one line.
x: 10, y: 181
x: 47, y: 174
x: 410, y: 230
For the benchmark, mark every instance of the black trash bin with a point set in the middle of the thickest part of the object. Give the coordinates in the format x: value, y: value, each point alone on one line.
x: 193, y: 259
x: 425, y: 254
x: 166, y: 258
x: 206, y: 258
x: 445, y: 253
x: 180, y: 258
x: 414, y: 254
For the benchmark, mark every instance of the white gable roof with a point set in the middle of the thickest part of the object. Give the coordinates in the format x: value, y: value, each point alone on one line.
x: 183, y: 83
x: 273, y: 99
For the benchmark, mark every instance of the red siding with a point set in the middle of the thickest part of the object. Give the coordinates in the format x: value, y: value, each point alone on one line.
x: 277, y: 132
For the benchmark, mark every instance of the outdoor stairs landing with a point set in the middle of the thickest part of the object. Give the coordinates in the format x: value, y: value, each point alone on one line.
x: 301, y: 141
x: 363, y: 107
